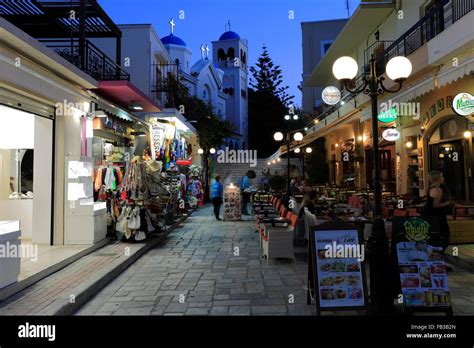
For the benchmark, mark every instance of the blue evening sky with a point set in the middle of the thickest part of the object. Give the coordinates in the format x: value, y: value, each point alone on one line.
x: 258, y: 21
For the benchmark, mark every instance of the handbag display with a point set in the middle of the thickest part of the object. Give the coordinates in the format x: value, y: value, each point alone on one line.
x: 139, y: 236
x: 134, y: 219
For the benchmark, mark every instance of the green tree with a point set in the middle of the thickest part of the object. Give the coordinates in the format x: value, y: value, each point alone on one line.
x: 212, y: 131
x: 268, y: 104
x: 317, y: 166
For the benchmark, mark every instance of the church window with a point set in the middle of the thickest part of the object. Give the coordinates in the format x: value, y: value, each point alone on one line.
x: 231, y: 53
x: 221, y: 54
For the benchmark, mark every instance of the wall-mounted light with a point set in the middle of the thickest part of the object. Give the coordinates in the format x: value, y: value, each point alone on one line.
x: 467, y: 134
x: 336, y: 145
x: 360, y: 138
x: 269, y: 163
x: 409, y: 144
x: 309, y: 150
x: 200, y: 151
x: 278, y: 159
x: 316, y: 121
x: 297, y: 150
x: 212, y: 150
x: 136, y: 106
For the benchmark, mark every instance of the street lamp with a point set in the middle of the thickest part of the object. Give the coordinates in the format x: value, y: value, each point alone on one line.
x: 279, y: 136
x: 398, y: 69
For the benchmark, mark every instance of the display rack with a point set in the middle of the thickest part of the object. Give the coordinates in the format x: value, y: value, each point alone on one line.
x: 232, y: 203
x: 85, y: 221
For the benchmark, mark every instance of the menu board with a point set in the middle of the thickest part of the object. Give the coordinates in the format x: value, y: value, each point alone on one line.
x: 232, y: 209
x: 340, y: 277
x: 423, y: 275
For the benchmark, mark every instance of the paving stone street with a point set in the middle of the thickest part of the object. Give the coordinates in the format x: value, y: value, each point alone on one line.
x: 198, y: 272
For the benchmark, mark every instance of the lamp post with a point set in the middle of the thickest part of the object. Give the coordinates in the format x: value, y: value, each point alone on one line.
x: 279, y: 136
x: 397, y: 69
x: 307, y: 150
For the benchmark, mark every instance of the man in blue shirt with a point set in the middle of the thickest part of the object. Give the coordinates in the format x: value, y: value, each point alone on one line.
x: 216, y: 195
x: 245, y: 195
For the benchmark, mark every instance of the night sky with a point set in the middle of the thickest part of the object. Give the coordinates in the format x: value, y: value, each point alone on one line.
x: 258, y: 21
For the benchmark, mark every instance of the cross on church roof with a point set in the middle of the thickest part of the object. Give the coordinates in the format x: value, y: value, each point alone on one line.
x: 172, y: 24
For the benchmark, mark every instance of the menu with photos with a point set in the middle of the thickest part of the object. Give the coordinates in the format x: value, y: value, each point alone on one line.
x: 232, y: 209
x: 423, y: 275
x: 339, y: 276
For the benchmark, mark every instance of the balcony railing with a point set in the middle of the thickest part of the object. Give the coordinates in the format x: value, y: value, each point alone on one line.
x: 165, y: 80
x: 432, y: 24
x: 94, y: 62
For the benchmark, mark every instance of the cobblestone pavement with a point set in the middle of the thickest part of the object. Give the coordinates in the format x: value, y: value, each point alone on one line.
x: 198, y: 272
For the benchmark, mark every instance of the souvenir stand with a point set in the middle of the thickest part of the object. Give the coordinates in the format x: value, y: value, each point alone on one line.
x: 112, y: 149
x: 135, y: 221
x: 232, y: 209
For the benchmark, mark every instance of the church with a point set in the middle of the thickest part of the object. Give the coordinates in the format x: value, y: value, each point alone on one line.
x: 221, y: 81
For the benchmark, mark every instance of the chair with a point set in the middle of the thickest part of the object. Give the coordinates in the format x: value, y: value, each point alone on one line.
x: 277, y: 242
x: 399, y: 212
x: 309, y: 221
x: 283, y: 211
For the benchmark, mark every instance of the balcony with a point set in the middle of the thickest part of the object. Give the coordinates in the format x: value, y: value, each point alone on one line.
x: 95, y: 62
x: 165, y: 77
x: 432, y: 24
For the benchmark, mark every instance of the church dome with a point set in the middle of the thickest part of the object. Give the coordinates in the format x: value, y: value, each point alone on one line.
x: 173, y: 40
x: 229, y: 35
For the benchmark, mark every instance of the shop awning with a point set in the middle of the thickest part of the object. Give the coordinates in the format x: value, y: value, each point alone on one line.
x: 124, y: 93
x: 174, y: 116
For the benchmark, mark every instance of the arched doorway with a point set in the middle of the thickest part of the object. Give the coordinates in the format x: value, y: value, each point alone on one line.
x: 449, y: 152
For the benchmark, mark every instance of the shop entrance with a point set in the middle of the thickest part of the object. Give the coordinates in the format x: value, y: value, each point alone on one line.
x: 448, y: 158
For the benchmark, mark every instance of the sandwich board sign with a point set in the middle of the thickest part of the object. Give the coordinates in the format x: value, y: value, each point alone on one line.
x: 421, y: 267
x: 336, y: 269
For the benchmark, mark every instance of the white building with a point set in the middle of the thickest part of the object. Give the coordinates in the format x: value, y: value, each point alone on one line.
x: 231, y: 52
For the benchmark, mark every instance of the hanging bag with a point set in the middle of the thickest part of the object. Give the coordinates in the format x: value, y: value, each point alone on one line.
x: 121, y: 225
x: 134, y: 219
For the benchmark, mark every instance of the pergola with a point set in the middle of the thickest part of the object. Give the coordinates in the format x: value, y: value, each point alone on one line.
x: 74, y: 19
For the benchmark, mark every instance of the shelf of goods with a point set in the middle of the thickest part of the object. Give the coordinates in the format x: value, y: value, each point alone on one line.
x: 232, y: 203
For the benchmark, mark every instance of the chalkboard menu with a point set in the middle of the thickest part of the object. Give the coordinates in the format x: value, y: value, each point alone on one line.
x: 336, y: 270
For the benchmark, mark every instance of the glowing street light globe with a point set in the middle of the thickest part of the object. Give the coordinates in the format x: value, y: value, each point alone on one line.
x: 278, y: 136
x: 467, y: 134
x: 298, y: 136
x: 212, y: 150
x: 287, y: 117
x: 345, y: 68
x: 200, y: 151
x: 309, y: 150
x: 297, y: 150
x: 398, y: 68
x: 295, y: 117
